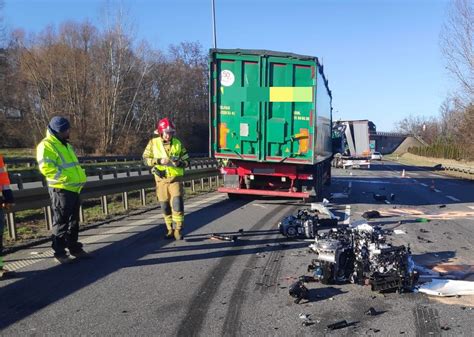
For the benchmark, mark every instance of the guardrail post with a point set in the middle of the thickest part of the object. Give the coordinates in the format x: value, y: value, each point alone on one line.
x: 81, y: 214
x: 217, y: 181
x: 193, y: 188
x: 101, y: 174
x: 125, y: 200
x: 105, y: 204
x: 139, y: 170
x: 115, y: 172
x: 19, y: 181
x: 48, y: 217
x: 127, y: 168
x: 11, y: 225
x: 202, y: 184
x: 143, y: 196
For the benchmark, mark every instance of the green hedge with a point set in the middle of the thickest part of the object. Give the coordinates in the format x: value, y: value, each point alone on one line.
x: 441, y: 150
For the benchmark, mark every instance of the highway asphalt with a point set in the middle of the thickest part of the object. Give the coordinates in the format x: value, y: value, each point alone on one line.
x: 138, y: 283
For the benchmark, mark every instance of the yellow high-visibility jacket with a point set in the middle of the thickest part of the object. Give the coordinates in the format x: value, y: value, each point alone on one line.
x: 155, y: 150
x: 5, y: 190
x: 59, y: 164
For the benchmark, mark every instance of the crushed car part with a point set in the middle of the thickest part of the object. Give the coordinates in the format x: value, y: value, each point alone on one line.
x: 362, y: 256
x: 298, y: 291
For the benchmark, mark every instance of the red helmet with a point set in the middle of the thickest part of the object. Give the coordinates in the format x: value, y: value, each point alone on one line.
x: 165, y: 125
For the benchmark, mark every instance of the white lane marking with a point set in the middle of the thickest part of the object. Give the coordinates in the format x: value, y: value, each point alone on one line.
x: 14, y: 266
x: 434, y: 175
x: 350, y: 185
x: 452, y: 198
x: 347, y: 212
x: 437, y: 191
x: 422, y: 184
x: 471, y: 207
x: 259, y: 205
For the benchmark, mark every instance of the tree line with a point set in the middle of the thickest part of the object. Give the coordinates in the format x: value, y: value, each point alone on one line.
x: 112, y: 88
x: 451, y: 134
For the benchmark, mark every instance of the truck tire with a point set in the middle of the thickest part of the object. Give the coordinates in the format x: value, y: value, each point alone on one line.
x: 328, y: 174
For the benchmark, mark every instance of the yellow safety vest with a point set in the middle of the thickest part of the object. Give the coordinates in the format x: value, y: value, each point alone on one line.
x: 59, y: 164
x: 156, y: 150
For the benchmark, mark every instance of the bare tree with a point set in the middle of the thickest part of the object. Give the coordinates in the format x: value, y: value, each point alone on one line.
x: 457, y: 45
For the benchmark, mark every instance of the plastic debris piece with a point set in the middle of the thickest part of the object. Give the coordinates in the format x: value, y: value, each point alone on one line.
x: 338, y: 325
x: 371, y: 214
x: 422, y: 220
x: 399, y: 231
x: 447, y: 288
x: 298, y: 291
x: 231, y: 238
x: 371, y: 312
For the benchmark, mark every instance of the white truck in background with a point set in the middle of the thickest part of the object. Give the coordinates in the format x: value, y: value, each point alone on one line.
x: 351, y: 145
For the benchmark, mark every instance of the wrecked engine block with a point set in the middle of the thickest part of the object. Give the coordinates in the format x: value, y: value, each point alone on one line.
x: 301, y: 225
x: 361, y: 255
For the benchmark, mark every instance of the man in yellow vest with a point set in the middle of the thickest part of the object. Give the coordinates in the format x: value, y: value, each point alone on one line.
x: 168, y: 157
x: 6, y: 202
x: 65, y: 177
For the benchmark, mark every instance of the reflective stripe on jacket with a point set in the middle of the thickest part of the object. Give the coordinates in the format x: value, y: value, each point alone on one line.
x: 59, y: 164
x: 155, y: 150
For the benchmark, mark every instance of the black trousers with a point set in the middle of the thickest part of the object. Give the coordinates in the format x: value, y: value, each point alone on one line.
x: 65, y: 206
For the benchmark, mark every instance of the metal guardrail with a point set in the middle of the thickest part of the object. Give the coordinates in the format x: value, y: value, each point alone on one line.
x: 36, y: 198
x: 458, y: 168
x: 31, y: 162
x: 33, y: 175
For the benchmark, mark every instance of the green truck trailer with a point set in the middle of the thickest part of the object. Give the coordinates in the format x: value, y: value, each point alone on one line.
x: 270, y: 122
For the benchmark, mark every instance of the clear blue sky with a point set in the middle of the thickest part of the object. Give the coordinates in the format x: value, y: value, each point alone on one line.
x: 382, y: 57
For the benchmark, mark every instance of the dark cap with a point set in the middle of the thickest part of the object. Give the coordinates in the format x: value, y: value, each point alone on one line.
x: 59, y: 124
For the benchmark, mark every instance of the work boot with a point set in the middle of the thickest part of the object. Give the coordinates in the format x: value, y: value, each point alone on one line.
x: 177, y: 232
x: 169, y: 233
x: 63, y: 259
x: 80, y: 254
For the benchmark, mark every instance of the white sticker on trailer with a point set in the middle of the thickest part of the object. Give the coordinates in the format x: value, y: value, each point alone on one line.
x: 227, y: 78
x: 244, y: 130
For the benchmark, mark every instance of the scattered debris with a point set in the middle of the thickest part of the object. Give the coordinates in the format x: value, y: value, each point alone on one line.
x: 446, y: 287
x: 338, y: 325
x: 231, y: 238
x: 298, y: 291
x: 384, y: 198
x: 307, y: 279
x: 422, y: 220
x: 422, y: 239
x: 422, y: 230
x: 371, y: 215
x: 441, y: 206
x: 372, y: 312
x: 399, y: 231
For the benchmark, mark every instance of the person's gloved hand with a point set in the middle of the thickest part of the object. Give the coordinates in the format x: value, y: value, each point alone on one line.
x: 180, y: 163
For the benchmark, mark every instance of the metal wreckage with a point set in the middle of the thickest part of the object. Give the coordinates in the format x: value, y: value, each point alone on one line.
x: 357, y: 253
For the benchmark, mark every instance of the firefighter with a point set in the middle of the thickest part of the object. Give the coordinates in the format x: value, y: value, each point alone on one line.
x: 168, y: 157
x: 65, y: 177
x: 6, y: 202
